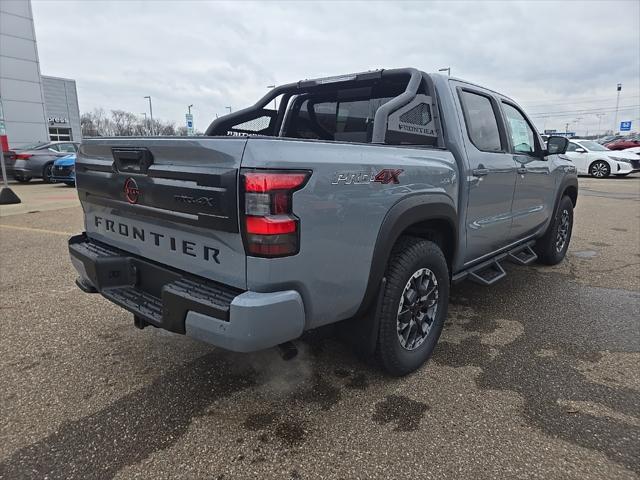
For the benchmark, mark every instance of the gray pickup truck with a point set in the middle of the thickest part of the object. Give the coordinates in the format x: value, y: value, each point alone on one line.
x: 359, y: 200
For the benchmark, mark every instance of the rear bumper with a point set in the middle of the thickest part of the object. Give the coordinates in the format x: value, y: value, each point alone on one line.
x: 179, y: 302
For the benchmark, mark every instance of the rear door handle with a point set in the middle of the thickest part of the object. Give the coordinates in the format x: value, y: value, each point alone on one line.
x: 480, y: 172
x: 521, y: 170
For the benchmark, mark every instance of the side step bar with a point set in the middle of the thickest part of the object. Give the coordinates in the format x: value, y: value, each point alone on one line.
x: 491, y: 271
x: 488, y: 274
x: 523, y: 256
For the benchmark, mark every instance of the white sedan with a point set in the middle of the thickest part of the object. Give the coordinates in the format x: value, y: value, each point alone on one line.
x: 593, y: 159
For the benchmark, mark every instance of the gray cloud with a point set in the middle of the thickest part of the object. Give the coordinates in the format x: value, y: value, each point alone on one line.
x: 218, y: 54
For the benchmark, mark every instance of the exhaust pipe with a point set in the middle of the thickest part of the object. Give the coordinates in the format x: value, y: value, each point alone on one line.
x: 288, y: 350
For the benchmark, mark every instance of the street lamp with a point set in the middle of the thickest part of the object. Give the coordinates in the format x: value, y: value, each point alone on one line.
x: 189, y: 108
x: 150, y: 113
x: 229, y: 108
x: 275, y: 105
x: 615, y: 120
x: 445, y: 69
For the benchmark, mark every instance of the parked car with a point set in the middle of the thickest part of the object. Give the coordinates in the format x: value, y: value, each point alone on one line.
x: 596, y: 160
x: 622, y: 144
x: 36, y: 161
x: 64, y: 170
x: 635, y: 150
x: 608, y: 139
x: 229, y: 238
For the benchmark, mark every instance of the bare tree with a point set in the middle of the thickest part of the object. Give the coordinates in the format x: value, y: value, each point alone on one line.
x: 124, y: 124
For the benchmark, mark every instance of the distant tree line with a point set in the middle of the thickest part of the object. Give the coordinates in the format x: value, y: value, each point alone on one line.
x: 126, y: 124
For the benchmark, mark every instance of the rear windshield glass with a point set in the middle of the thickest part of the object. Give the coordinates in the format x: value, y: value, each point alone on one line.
x: 344, y: 115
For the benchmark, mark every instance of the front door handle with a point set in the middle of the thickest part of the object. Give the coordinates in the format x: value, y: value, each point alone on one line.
x: 480, y: 172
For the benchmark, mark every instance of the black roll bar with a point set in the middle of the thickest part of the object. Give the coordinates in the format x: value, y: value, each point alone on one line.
x: 224, y: 123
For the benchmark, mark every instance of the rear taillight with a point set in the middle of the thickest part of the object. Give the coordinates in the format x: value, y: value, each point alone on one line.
x: 23, y: 156
x: 270, y: 227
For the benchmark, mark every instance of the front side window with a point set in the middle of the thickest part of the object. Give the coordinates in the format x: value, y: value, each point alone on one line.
x: 572, y: 147
x: 521, y: 133
x: 482, y: 125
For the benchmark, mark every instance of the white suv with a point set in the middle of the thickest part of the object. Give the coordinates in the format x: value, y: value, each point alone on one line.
x: 598, y: 161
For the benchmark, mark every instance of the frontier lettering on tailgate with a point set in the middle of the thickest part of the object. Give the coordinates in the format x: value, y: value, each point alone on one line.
x: 161, y: 240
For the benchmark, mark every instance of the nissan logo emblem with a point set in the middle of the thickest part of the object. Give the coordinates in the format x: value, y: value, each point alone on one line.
x: 131, y: 190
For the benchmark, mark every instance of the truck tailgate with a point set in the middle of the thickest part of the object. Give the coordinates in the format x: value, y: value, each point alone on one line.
x: 171, y: 200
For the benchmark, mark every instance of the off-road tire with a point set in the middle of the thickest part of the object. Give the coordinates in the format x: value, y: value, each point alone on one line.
x: 547, y: 246
x: 409, y: 255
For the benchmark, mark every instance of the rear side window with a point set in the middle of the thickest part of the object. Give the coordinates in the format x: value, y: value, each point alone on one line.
x: 482, y: 125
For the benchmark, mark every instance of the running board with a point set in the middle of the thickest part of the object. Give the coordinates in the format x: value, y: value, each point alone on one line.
x: 488, y: 274
x: 490, y: 271
x: 523, y: 256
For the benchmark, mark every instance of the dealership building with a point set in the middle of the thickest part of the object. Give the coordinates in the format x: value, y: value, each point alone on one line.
x: 33, y: 107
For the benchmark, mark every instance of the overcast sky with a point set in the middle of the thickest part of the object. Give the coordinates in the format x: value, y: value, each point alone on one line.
x: 563, y: 57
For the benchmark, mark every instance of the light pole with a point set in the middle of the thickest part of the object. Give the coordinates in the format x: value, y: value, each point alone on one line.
x: 275, y: 105
x: 445, y: 69
x: 189, y: 108
x: 615, y: 121
x: 150, y: 114
x: 229, y: 108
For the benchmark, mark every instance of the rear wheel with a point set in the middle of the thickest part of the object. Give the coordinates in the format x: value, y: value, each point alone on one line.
x: 47, y: 173
x: 552, y: 248
x: 414, y: 305
x: 599, y: 169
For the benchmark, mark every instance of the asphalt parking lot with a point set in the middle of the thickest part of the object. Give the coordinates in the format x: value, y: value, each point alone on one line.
x: 536, y: 377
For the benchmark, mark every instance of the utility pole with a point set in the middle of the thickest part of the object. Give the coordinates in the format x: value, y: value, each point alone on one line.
x: 615, y: 121
x: 446, y: 69
x: 150, y: 113
x: 275, y: 105
x: 599, y: 115
x: 577, y: 120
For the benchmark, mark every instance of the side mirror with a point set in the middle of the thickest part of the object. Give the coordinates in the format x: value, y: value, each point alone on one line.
x: 557, y: 145
x: 581, y: 150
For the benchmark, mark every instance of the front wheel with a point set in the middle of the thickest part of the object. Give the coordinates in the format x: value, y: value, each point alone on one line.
x: 47, y: 173
x: 599, y: 169
x: 552, y: 248
x: 414, y: 305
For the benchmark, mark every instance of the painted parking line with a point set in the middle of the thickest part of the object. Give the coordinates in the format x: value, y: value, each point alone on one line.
x: 36, y: 230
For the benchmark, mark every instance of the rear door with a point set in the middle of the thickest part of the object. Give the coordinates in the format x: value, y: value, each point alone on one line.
x: 170, y: 200
x: 492, y: 173
x: 533, y: 200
